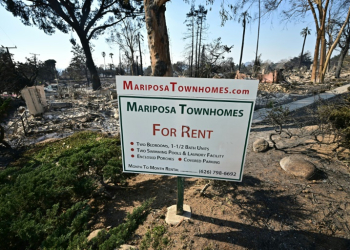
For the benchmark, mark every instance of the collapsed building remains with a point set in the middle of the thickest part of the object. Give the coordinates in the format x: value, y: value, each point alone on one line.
x: 59, y: 112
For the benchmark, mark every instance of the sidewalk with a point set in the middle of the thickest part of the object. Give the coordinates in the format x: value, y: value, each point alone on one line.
x: 260, y: 115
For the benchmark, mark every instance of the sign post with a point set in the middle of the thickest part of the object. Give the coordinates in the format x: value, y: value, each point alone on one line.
x: 180, y: 196
x: 185, y: 127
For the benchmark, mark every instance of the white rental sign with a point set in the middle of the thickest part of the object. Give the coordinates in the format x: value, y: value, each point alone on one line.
x: 186, y: 127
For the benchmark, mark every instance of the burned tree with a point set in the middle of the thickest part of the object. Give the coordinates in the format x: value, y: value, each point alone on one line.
x: 158, y: 39
x: 127, y: 39
x: 306, y: 31
x: 88, y: 18
x: 245, y: 18
x: 319, y: 10
x: 344, y: 44
x: 190, y: 23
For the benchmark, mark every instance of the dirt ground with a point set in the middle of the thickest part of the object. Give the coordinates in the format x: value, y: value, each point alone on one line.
x: 269, y: 209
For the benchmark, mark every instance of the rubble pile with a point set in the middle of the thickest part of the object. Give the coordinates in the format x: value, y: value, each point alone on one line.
x: 67, y: 111
x: 272, y: 87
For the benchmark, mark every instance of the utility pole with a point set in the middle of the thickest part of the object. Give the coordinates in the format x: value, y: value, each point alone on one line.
x: 8, y: 52
x: 36, y: 82
x: 34, y: 57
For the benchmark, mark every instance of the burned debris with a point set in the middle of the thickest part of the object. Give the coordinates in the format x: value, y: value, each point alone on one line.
x: 58, y: 111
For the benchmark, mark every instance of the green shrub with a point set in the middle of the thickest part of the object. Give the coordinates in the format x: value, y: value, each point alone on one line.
x: 4, y: 105
x: 269, y: 105
x: 118, y: 235
x: 338, y: 117
x: 44, y: 195
x: 155, y: 238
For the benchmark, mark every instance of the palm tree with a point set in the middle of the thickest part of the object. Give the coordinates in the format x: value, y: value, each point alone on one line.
x: 306, y: 31
x: 111, y: 55
x: 245, y: 17
x: 104, y: 61
x: 256, y: 67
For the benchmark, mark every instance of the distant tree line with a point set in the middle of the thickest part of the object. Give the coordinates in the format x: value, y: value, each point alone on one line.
x: 124, y: 19
x: 14, y: 76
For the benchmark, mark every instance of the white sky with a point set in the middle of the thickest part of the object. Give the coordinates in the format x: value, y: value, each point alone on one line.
x: 277, y: 40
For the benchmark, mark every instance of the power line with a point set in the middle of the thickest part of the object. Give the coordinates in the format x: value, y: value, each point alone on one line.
x: 7, y: 36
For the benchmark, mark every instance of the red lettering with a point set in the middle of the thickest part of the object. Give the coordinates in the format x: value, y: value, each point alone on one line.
x: 187, y: 88
x: 142, y: 87
x: 201, y: 89
x: 149, y: 87
x: 166, y: 133
x: 221, y: 90
x: 194, y: 89
x: 137, y: 87
x: 215, y: 90
x: 173, y: 84
x: 201, y: 133
x: 195, y: 133
x: 185, y: 131
x: 166, y: 88
x: 155, y: 129
x: 127, y: 85
x: 226, y: 90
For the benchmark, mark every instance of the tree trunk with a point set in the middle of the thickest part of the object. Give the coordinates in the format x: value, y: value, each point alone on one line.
x: 87, y: 76
x: 322, y: 56
x: 158, y: 39
x: 96, y: 83
x: 132, y: 63
x: 329, y: 50
x: 191, y: 72
x: 302, y: 51
x: 321, y: 32
x: 240, y: 58
x: 336, y: 41
x: 196, y: 54
x: 104, y: 67
x: 314, y: 64
x: 257, y: 42
x: 342, y: 55
x: 199, y: 46
x: 140, y: 56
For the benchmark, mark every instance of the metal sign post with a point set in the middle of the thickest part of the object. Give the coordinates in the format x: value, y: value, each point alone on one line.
x: 180, y: 195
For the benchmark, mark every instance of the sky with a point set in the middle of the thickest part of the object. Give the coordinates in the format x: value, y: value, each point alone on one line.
x: 278, y: 40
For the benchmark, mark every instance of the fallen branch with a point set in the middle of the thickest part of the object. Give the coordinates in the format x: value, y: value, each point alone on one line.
x: 205, y: 188
x: 178, y: 224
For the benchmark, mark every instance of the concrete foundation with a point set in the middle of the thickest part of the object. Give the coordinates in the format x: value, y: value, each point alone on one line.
x: 173, y: 219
